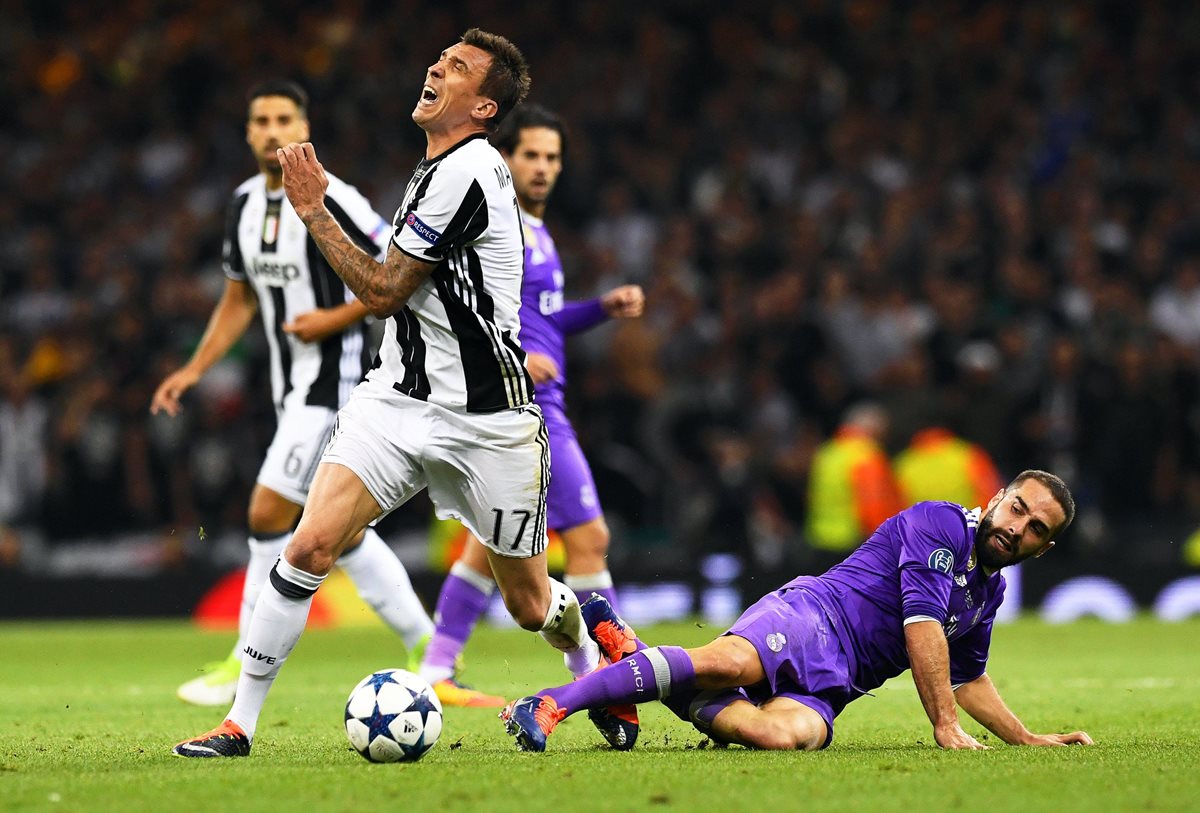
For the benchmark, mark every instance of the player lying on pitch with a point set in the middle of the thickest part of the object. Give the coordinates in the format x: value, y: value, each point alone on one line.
x: 920, y: 593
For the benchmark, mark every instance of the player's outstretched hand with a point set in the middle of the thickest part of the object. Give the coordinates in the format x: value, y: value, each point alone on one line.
x: 952, y: 737
x: 625, y: 302
x: 166, y: 397
x: 303, y: 178
x: 1074, y: 738
x: 541, y: 367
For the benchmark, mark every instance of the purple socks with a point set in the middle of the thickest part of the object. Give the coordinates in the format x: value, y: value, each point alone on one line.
x: 650, y: 674
x: 459, y: 606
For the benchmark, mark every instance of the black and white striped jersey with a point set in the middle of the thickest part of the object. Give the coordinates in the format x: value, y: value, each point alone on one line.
x: 456, y: 342
x: 267, y: 245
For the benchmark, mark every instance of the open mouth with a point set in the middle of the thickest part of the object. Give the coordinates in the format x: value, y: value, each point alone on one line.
x: 1004, y: 543
x: 428, y: 95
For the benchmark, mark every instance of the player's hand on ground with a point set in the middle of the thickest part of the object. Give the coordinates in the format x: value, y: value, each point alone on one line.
x: 625, y: 302
x: 1074, y: 738
x: 166, y: 397
x: 312, y: 326
x: 952, y: 737
x: 541, y: 367
x: 304, y: 178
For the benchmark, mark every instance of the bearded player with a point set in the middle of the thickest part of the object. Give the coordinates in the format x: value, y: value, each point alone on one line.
x: 921, y: 593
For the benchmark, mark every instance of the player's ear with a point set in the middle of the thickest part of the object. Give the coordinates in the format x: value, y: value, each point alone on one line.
x: 304, y: 131
x: 484, y: 110
x: 1043, y: 549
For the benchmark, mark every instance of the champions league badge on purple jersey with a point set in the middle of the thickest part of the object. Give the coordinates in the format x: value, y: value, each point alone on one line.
x: 941, y: 560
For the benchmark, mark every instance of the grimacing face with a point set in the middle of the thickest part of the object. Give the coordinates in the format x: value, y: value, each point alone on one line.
x: 1020, y: 523
x: 274, y: 122
x: 535, y: 164
x: 451, y: 91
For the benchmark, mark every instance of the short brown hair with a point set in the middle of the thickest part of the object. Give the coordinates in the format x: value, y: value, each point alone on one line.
x: 1058, y: 490
x: 507, y: 80
x: 280, y: 87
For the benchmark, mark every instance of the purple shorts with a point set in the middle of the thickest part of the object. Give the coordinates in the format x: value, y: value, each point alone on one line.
x: 571, y: 499
x: 800, y: 652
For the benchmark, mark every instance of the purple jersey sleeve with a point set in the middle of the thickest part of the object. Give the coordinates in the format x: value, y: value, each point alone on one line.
x: 576, y: 317
x: 969, y: 654
x: 931, y: 542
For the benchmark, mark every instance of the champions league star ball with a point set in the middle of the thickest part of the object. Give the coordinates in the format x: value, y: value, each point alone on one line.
x: 393, y: 716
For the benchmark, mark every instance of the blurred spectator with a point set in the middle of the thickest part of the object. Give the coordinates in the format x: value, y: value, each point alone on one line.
x: 987, y: 203
x: 851, y: 488
x: 939, y: 465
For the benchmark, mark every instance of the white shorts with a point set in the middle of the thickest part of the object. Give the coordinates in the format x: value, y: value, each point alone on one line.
x: 489, y: 471
x: 295, y: 451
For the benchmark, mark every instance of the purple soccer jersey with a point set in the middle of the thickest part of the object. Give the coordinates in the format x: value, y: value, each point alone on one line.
x: 546, y: 317
x: 546, y: 320
x: 919, y: 564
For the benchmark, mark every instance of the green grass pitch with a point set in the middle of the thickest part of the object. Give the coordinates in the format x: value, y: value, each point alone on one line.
x: 88, y: 716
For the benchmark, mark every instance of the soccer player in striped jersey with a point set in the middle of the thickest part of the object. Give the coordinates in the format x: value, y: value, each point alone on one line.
x: 448, y: 405
x: 532, y: 141
x: 921, y: 593
x: 318, y: 351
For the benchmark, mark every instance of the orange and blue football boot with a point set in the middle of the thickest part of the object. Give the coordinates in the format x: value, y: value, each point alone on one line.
x: 531, y: 719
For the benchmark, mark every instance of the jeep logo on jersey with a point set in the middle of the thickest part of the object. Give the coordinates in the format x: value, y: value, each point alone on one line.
x: 941, y: 560
x: 424, y: 232
x: 273, y: 273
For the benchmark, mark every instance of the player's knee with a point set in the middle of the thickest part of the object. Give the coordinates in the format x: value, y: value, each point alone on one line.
x: 270, y: 514
x: 587, y: 547
x: 263, y: 521
x: 600, y: 538
x: 312, y: 552
x: 527, y: 610
x: 721, y: 668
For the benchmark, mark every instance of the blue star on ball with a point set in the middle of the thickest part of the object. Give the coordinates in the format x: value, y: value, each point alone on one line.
x: 422, y: 704
x: 378, y: 724
x: 378, y: 679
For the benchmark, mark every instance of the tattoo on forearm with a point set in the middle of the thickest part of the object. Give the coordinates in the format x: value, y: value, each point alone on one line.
x: 376, y: 285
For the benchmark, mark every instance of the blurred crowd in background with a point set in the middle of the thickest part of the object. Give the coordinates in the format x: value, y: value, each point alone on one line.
x: 978, y: 216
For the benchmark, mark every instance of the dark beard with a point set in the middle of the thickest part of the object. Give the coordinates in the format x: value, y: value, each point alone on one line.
x: 985, y: 554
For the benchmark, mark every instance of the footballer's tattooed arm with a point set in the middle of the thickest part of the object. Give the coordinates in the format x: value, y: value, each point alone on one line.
x: 383, y: 288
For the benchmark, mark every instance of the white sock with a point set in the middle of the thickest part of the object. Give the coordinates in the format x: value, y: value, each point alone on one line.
x: 383, y: 583
x: 279, y: 618
x: 583, y: 582
x: 264, y: 552
x: 565, y: 631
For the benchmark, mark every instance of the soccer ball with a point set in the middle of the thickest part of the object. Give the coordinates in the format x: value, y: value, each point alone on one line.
x: 393, y: 716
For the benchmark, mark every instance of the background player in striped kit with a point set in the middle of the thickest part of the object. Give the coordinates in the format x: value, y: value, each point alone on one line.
x: 448, y: 405
x: 318, y: 354
x: 533, y: 141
